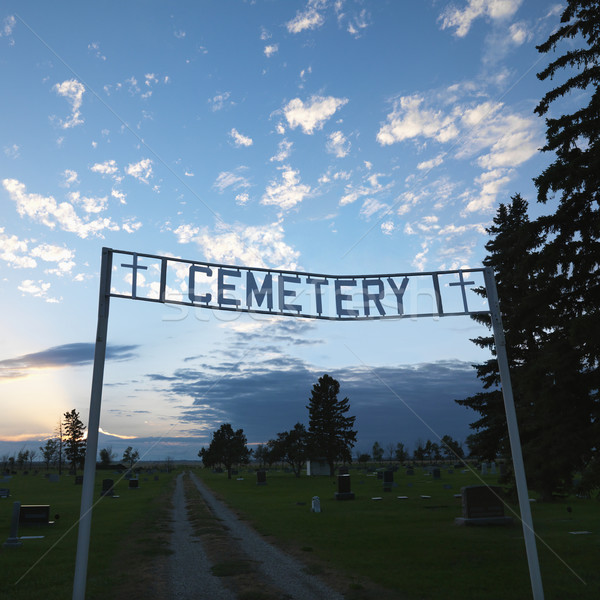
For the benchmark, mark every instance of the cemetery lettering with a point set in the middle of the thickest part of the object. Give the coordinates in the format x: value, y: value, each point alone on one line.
x: 291, y: 293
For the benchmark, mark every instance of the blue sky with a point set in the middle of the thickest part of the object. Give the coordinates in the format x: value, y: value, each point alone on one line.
x: 325, y: 136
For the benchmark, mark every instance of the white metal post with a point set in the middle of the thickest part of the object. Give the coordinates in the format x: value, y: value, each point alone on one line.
x: 513, y: 434
x: 89, y: 471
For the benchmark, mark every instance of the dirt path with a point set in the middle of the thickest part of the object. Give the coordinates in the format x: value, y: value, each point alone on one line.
x: 190, y: 566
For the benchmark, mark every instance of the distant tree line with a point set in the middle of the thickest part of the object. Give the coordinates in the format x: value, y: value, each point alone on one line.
x: 548, y: 276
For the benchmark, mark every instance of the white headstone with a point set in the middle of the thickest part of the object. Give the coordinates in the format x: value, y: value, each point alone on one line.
x: 493, y: 468
x: 316, y: 504
x: 484, y: 468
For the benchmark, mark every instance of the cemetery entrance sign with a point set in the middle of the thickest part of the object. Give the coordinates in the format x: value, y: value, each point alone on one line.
x: 168, y: 280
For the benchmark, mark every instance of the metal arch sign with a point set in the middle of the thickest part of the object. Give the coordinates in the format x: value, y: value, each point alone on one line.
x: 294, y: 294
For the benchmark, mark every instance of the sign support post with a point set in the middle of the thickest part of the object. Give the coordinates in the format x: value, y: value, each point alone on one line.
x: 89, y: 472
x: 513, y: 434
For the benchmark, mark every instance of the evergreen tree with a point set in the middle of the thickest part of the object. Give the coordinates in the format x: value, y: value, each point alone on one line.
x: 330, y: 432
x: 74, y: 442
x: 512, y: 254
x: 227, y: 448
x: 572, y: 253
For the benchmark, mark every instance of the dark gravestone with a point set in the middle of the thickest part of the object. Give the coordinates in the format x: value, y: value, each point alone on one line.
x: 436, y: 473
x: 343, y: 470
x: 261, y: 478
x: 54, y: 478
x: 388, y: 481
x: 344, y: 490
x: 107, y: 487
x: 482, y: 505
x: 134, y: 484
x: 78, y: 479
x: 410, y: 471
x: 34, y: 514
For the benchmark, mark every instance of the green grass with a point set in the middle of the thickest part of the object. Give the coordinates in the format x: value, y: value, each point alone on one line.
x: 43, y: 569
x: 413, y: 546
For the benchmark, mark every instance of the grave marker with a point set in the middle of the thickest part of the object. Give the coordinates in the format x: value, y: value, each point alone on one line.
x: 388, y: 481
x: 344, y: 492
x: 482, y: 505
x: 261, y: 478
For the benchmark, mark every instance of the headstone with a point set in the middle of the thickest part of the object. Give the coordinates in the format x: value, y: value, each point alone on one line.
x: 410, y: 471
x: 316, y: 505
x: 261, y: 478
x: 4, y: 492
x: 493, y: 468
x: 388, y: 481
x: 78, y: 479
x: 54, y: 478
x: 34, y: 514
x: 134, y: 484
x: 484, y: 468
x: 343, y: 470
x: 436, y: 473
x: 482, y: 505
x: 13, y: 540
x: 107, y: 487
x: 344, y: 490
x: 447, y: 486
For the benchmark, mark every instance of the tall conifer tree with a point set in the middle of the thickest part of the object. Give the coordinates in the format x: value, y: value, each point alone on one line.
x: 330, y: 432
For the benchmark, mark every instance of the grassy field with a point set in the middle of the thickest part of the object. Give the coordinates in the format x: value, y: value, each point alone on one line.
x: 412, y: 546
x: 129, y: 534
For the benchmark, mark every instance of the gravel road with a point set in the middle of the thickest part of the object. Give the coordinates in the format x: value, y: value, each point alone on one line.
x: 191, y: 576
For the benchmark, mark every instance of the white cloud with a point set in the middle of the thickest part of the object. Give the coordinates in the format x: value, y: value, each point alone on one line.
x: 12, y: 151
x: 72, y: 90
x: 370, y: 187
x: 427, y: 165
x: 119, y: 195
x: 388, y: 227
x: 71, y: 177
x: 313, y: 114
x: 242, y: 198
x: 131, y: 226
x: 307, y: 19
x: 8, y: 25
x: 271, y: 49
x: 95, y: 49
x: 108, y: 167
x: 38, y: 289
x: 371, y: 206
x: 357, y: 24
x: 142, y: 170
x: 264, y: 34
x: 62, y: 256
x: 491, y: 183
x: 14, y: 252
x: 179, y: 34
x: 285, y: 149
x: 462, y: 19
x: 286, y: 193
x: 228, y: 179
x: 45, y: 210
x: 259, y: 246
x: 240, y: 140
x: 186, y: 233
x: 519, y: 33
x: 220, y: 100
x: 90, y: 205
x: 337, y: 144
x: 410, y: 119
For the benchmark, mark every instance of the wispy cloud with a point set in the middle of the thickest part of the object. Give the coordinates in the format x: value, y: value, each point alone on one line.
x: 66, y: 355
x: 240, y: 140
x: 73, y: 91
x: 461, y: 19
